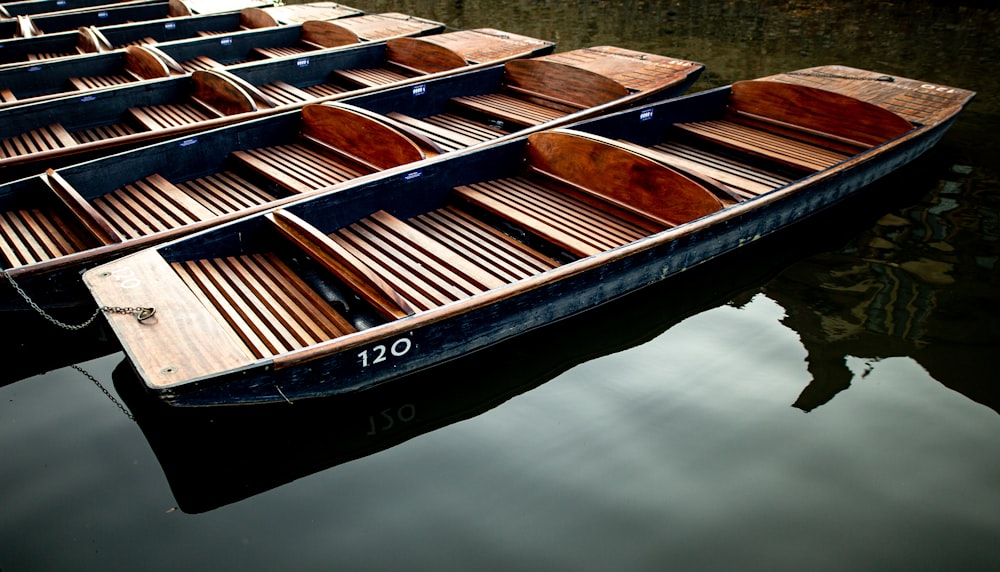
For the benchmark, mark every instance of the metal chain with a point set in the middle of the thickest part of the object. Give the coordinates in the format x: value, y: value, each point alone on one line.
x: 100, y: 386
x: 141, y: 313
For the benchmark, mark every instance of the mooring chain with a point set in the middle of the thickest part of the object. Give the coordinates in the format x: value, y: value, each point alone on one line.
x: 141, y: 313
x: 100, y: 385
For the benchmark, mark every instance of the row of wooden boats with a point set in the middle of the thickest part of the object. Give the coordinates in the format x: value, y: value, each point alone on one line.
x: 327, y: 244
x: 32, y: 18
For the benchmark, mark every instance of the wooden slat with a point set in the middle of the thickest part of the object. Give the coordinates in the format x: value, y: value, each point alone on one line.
x: 508, y: 108
x: 150, y: 205
x: 103, y: 132
x: 283, y: 93
x: 371, y: 76
x: 48, y: 138
x: 155, y: 117
x: 298, y: 167
x: 341, y: 263
x: 99, y: 81
x: 35, y: 235
x: 739, y: 175
x: 567, y: 222
x: 481, y: 244
x: 783, y: 150
x: 225, y: 192
x: 267, y: 305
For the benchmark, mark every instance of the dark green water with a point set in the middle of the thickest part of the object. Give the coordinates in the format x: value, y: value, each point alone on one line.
x: 828, y: 401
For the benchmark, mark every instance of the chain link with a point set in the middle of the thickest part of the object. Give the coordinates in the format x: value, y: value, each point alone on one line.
x: 141, y: 313
x: 107, y: 393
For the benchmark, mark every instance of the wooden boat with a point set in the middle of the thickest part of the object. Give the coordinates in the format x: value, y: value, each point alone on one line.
x: 154, y: 111
x: 92, y: 39
x: 34, y: 7
x: 137, y: 63
x: 55, y: 132
x: 345, y: 290
x: 26, y: 26
x: 54, y: 225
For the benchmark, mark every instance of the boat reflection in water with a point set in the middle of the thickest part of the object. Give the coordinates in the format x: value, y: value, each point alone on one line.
x: 901, y: 289
x: 215, y: 456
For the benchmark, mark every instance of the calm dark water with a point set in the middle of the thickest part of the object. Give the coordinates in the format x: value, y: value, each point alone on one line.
x: 827, y: 401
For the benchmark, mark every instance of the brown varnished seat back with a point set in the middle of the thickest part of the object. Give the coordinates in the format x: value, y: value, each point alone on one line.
x: 818, y: 110
x: 562, y: 83
x: 620, y: 177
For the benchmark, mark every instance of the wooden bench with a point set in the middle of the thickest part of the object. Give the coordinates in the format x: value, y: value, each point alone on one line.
x: 47, y: 138
x: 368, y: 77
x: 148, y: 206
x: 7, y: 96
x: 337, y: 144
x: 401, y: 269
x: 28, y: 236
x: 86, y: 214
x: 270, y: 309
x: 612, y: 198
x: 797, y: 126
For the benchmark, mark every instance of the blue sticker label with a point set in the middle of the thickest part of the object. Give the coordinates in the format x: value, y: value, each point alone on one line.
x: 420, y: 89
x: 645, y: 115
x: 170, y: 26
x: 226, y: 41
x: 188, y: 142
x: 302, y: 62
x: 413, y: 175
x: 87, y: 98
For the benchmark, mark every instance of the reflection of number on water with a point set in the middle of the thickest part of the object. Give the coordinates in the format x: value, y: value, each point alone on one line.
x: 387, y: 418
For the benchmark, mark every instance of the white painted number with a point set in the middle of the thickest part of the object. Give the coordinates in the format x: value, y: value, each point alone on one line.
x: 380, y: 353
x: 126, y: 278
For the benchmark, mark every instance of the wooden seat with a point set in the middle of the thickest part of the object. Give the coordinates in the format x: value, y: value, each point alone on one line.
x: 401, y: 269
x: 148, y: 206
x: 47, y: 138
x: 7, y: 95
x: 35, y: 235
x: 268, y: 307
